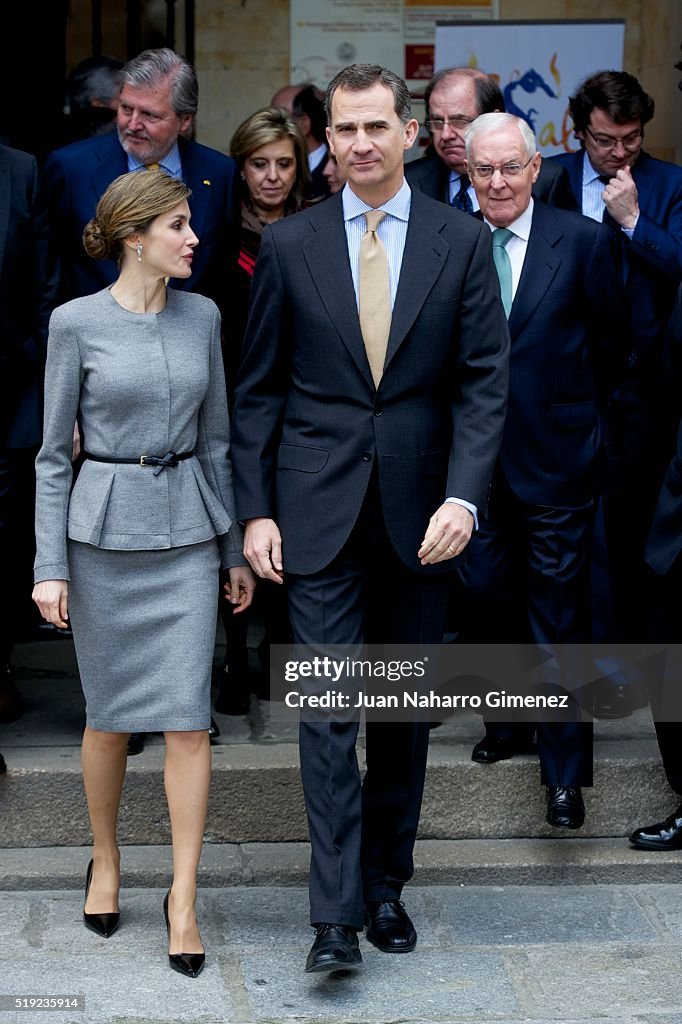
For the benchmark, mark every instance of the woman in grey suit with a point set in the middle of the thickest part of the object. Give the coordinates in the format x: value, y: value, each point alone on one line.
x: 132, y: 553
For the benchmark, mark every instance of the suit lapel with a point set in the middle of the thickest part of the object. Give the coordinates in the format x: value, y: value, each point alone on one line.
x: 539, y: 267
x: 326, y: 254
x: 5, y: 200
x: 423, y: 260
x: 112, y: 163
x: 194, y: 175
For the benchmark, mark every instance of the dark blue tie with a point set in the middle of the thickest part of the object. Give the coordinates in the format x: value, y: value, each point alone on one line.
x: 462, y: 200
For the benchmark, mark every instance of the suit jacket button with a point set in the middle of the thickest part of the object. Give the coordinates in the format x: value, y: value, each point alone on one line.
x: 366, y: 457
x: 379, y: 411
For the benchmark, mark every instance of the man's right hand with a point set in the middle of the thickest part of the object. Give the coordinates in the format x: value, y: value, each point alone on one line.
x: 263, y: 548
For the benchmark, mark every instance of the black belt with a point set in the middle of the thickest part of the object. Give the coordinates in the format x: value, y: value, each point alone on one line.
x: 161, y: 462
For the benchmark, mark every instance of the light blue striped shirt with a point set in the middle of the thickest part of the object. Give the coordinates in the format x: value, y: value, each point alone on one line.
x: 171, y: 163
x: 392, y: 231
x: 593, y: 205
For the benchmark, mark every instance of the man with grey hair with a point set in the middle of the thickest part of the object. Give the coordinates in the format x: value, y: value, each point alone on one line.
x: 453, y: 99
x: 368, y: 412
x: 527, y: 574
x: 156, y: 108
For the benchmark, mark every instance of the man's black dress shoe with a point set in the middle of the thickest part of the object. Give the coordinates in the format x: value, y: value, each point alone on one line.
x: 490, y: 749
x: 335, y: 949
x: 664, y: 835
x: 102, y: 924
x: 135, y: 743
x: 565, y: 807
x: 389, y: 927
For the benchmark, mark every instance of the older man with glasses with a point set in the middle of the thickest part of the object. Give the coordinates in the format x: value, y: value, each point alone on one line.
x: 527, y: 573
x: 453, y: 99
x: 640, y: 199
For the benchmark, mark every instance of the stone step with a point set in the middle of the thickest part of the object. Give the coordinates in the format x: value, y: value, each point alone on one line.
x: 470, y: 862
x: 256, y: 796
x: 256, y: 793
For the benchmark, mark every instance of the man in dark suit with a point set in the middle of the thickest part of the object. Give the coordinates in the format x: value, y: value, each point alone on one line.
x: 27, y: 294
x: 453, y: 99
x: 663, y: 555
x: 527, y: 569
x: 308, y: 113
x: 368, y: 413
x: 640, y: 200
x: 157, y: 104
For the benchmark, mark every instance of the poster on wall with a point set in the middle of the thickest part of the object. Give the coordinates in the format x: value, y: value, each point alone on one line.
x: 419, y: 26
x: 326, y: 35
x: 537, y: 64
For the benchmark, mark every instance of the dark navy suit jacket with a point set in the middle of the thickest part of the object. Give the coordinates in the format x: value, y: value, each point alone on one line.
x: 653, y: 259
x: 309, y: 425
x: 27, y: 296
x: 665, y: 539
x: 76, y: 176
x: 567, y: 332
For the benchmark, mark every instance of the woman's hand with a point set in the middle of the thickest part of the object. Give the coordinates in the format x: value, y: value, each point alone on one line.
x: 240, y: 587
x: 52, y: 598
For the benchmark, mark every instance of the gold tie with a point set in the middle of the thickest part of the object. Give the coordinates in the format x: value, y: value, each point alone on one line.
x: 152, y: 167
x: 374, y: 294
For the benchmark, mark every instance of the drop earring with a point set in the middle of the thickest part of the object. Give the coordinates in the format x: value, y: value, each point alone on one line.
x: 138, y: 250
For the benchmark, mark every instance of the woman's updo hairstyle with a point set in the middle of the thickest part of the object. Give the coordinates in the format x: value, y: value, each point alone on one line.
x: 128, y: 207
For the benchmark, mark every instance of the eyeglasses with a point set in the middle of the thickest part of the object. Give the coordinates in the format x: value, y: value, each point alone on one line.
x: 436, y: 124
x: 631, y: 141
x: 510, y: 170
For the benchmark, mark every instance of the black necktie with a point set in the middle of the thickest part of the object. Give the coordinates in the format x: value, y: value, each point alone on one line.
x: 614, y: 230
x: 462, y: 200
x: 611, y: 223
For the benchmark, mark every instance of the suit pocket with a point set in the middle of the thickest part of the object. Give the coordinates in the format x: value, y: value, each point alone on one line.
x: 574, y: 415
x: 302, y: 457
x: 434, y: 462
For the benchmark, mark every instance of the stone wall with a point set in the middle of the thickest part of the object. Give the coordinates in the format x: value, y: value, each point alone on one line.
x: 242, y: 54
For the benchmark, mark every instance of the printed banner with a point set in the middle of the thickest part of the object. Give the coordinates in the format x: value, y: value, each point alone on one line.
x: 538, y: 65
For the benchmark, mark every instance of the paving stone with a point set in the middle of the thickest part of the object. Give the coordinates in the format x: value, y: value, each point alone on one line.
x: 594, y: 914
x: 117, y: 988
x: 385, y: 989
x: 627, y: 981
x: 664, y: 905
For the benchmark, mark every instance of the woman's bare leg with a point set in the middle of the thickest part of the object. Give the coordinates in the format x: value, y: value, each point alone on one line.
x: 187, y: 777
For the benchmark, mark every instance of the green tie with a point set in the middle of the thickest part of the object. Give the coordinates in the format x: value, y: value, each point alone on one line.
x: 503, y: 266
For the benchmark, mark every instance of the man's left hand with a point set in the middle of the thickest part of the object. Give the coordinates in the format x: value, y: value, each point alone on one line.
x: 620, y: 198
x: 448, y: 533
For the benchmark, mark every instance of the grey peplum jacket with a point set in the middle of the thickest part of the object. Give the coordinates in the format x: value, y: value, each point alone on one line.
x: 139, y: 384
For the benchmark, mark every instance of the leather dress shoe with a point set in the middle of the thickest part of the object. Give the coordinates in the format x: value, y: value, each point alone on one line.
x: 490, y: 749
x: 135, y: 743
x: 335, y: 949
x: 102, y: 924
x: 565, y: 807
x: 389, y: 927
x: 664, y: 835
x: 10, y: 701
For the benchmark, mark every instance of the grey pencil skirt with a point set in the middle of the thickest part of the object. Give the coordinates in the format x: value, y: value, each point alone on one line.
x: 144, y: 626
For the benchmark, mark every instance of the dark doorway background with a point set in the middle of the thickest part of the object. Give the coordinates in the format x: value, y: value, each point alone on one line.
x: 44, y: 39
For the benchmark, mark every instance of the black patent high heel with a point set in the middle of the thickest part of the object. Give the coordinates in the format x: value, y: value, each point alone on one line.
x: 102, y: 924
x: 189, y: 964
